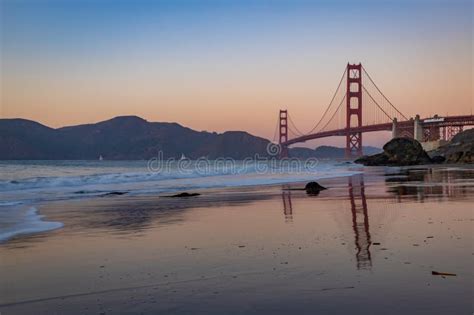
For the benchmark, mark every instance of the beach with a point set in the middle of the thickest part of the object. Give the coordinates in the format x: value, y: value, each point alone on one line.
x: 366, y: 245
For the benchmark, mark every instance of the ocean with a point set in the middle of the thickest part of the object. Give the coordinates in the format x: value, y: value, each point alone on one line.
x: 26, y: 185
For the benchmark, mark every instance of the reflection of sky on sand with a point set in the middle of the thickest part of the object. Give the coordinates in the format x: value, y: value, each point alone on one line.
x: 248, y: 251
x: 406, y: 185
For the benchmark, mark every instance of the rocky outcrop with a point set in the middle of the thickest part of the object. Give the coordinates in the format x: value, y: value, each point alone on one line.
x: 459, y: 150
x: 398, y: 152
x: 373, y: 160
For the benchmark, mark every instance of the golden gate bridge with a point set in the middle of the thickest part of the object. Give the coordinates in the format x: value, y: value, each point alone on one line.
x: 359, y: 106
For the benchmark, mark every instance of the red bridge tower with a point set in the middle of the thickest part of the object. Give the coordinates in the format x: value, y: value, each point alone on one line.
x: 283, y: 133
x: 354, y: 110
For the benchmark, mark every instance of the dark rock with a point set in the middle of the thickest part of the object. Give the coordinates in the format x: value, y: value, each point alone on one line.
x: 437, y: 273
x: 80, y: 192
x: 398, y: 152
x: 373, y: 160
x: 184, y: 195
x: 313, y: 188
x: 438, y: 159
x: 405, y: 151
x: 459, y: 150
x: 114, y: 193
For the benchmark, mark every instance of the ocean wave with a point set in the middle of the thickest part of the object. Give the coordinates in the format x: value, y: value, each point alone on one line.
x: 10, y: 203
x: 16, y: 222
x: 76, y: 181
x: 192, y: 171
x: 131, y: 182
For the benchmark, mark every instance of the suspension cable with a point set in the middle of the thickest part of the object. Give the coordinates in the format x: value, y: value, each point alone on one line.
x: 332, y: 99
x: 376, y: 103
x: 294, y: 126
x: 365, y: 71
x: 334, y: 114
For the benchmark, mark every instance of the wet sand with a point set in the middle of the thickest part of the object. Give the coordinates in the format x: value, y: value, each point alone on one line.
x: 367, y: 245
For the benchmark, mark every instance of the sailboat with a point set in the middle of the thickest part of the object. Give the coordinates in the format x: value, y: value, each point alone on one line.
x: 100, y: 158
x: 182, y: 157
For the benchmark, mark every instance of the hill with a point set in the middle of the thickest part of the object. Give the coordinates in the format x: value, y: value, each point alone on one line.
x: 133, y: 138
x: 121, y: 138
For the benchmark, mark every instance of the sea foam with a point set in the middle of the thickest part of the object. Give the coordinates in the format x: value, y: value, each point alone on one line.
x: 15, y: 222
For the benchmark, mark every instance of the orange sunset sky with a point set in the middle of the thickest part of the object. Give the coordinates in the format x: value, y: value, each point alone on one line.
x: 229, y: 65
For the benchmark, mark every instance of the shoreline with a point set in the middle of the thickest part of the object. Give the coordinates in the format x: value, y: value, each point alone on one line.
x: 365, y: 171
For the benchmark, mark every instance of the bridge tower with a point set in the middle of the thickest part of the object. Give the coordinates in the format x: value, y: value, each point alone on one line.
x: 283, y: 132
x: 354, y: 109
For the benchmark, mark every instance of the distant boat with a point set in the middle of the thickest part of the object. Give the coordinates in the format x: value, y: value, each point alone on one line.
x: 183, y: 157
x: 100, y: 158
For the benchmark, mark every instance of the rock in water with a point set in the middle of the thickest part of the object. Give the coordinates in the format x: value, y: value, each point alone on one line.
x: 114, y: 193
x: 373, y: 160
x: 184, y: 195
x: 405, y: 151
x: 398, y: 152
x: 313, y: 188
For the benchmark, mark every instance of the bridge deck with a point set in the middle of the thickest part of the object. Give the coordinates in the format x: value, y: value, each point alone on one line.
x: 465, y: 120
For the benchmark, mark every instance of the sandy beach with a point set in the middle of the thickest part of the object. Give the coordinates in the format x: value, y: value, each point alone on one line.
x: 367, y: 245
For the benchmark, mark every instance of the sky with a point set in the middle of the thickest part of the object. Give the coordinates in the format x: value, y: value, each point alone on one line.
x: 229, y: 65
